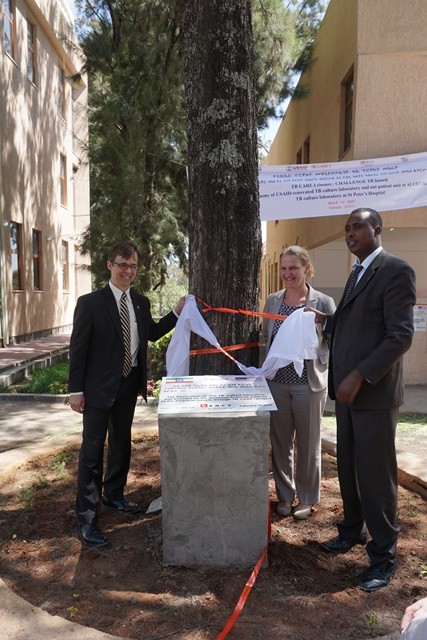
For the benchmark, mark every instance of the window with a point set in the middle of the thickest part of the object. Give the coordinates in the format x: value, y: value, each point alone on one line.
x: 37, y: 283
x: 347, y: 89
x: 63, y: 179
x: 9, y: 27
x: 306, y: 151
x: 65, y: 266
x: 61, y: 106
x: 15, y: 254
x: 31, y: 52
x: 273, y: 277
x: 303, y: 153
x: 76, y: 271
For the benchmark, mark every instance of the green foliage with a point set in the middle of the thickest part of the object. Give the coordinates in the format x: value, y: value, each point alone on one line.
x: 411, y: 508
x: 52, y: 379
x: 157, y: 357
x: 137, y: 123
x: 283, y: 34
x: 372, y: 622
x: 157, y: 389
x: 72, y: 611
x: 165, y: 297
x: 412, y: 419
x: 26, y: 496
x: 59, y: 464
x: 41, y: 482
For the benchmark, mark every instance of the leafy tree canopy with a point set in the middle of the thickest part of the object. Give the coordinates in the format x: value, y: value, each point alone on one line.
x: 137, y: 145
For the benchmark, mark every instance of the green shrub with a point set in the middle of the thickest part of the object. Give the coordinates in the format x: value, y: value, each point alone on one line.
x: 53, y: 379
x: 157, y: 357
x: 157, y: 389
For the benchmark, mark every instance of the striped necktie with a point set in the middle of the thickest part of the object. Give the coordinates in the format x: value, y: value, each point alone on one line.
x: 352, y: 281
x: 125, y: 321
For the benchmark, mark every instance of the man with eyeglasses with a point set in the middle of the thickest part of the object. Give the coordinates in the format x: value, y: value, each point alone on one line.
x: 108, y: 368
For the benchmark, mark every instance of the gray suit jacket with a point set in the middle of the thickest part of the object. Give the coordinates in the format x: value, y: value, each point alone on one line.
x: 372, y: 331
x: 317, y: 370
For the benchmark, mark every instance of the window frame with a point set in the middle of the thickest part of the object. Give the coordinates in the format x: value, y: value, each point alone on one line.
x: 32, y: 68
x: 37, y: 259
x: 16, y: 250
x: 9, y: 27
x: 65, y: 263
x: 61, y: 97
x: 63, y: 183
x: 306, y: 150
x: 346, y: 112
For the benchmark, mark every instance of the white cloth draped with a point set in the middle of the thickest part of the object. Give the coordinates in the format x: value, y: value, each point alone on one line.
x: 295, y: 342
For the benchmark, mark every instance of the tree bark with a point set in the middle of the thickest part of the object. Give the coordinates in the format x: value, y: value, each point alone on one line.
x: 224, y: 228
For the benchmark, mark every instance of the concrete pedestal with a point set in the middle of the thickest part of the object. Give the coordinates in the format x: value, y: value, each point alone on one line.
x: 214, y: 488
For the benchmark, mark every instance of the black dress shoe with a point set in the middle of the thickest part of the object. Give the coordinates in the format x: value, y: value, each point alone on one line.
x: 378, y: 575
x: 342, y: 544
x: 121, y: 506
x: 91, y: 536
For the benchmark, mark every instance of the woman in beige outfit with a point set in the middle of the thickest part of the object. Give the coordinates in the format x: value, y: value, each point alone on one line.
x: 300, y: 400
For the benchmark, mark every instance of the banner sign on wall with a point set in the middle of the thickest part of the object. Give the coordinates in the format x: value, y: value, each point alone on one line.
x: 336, y: 188
x: 420, y: 317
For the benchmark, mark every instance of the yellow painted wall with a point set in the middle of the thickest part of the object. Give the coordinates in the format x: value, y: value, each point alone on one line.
x: 32, y: 137
x: 386, y: 42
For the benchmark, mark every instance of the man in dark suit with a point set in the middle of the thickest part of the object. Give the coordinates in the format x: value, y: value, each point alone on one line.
x: 108, y: 368
x: 370, y: 331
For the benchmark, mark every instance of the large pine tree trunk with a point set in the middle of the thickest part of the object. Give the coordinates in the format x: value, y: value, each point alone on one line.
x: 224, y: 230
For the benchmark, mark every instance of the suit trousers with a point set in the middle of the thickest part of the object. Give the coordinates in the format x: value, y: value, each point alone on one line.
x: 367, y: 472
x: 117, y: 422
x: 298, y: 417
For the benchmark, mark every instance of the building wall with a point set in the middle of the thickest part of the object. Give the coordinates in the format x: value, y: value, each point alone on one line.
x: 33, y: 136
x: 386, y: 44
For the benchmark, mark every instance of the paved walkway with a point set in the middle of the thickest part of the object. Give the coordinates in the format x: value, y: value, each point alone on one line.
x: 32, y: 426
x: 19, y: 354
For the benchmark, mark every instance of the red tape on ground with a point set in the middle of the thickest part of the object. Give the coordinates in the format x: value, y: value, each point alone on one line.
x: 246, y: 589
x: 243, y: 597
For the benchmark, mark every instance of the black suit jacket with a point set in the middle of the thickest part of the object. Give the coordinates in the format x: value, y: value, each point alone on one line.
x: 97, y: 349
x: 372, y: 331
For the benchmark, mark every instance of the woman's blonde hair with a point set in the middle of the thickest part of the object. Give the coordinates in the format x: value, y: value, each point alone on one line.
x: 300, y: 253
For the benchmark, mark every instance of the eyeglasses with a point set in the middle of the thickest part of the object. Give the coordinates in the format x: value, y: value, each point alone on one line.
x: 123, y: 266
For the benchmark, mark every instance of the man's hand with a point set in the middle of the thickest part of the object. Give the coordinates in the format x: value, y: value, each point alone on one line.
x: 319, y: 316
x: 180, y: 305
x: 349, y: 387
x: 77, y: 402
x: 413, y: 611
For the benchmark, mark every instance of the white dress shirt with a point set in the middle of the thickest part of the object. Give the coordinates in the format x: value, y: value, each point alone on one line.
x: 134, y: 337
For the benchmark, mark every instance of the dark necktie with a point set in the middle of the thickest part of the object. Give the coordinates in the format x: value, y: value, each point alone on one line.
x: 125, y: 321
x: 352, y: 282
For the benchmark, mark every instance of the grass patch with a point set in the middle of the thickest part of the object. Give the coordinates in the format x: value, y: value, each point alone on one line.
x: 52, y: 380
x: 59, y: 464
x: 26, y: 496
x: 404, y: 421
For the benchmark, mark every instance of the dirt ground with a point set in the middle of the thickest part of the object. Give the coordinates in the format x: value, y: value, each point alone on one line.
x: 124, y: 589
